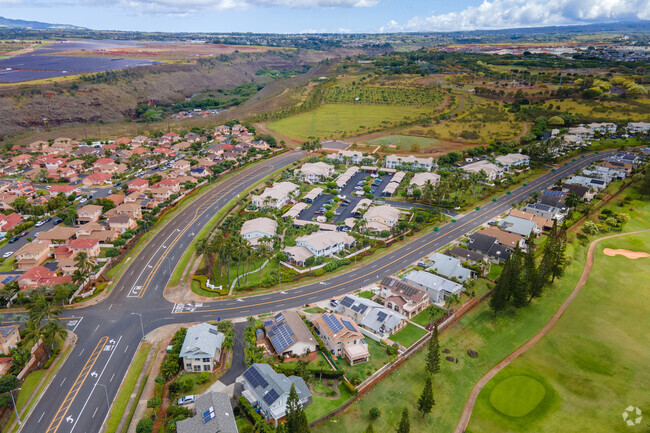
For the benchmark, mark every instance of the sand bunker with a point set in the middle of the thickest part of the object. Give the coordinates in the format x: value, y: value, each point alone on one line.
x: 629, y: 254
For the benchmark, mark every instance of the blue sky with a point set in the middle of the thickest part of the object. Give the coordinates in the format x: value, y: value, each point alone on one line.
x: 296, y: 16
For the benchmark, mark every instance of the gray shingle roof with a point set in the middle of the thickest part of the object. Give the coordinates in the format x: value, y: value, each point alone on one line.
x: 206, y: 405
x: 201, y: 341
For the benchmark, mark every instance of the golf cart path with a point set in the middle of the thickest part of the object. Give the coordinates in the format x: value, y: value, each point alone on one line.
x: 469, y: 406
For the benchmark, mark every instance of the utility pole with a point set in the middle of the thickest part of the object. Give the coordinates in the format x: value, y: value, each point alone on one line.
x: 14, y: 403
x: 141, y: 324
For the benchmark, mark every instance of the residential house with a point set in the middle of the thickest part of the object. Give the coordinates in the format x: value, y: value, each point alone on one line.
x: 541, y: 223
x: 313, y: 195
x: 121, y: 223
x: 8, y: 222
x: 161, y: 193
x: 97, y: 179
x: 380, y: 218
x: 439, y: 288
x: 545, y: 211
x: 513, y: 160
x: 411, y: 163
x: 254, y: 229
x: 449, y: 267
x: 88, y: 246
x: 117, y: 199
x: 510, y: 240
x: 63, y: 189
x: 173, y: 184
x: 199, y: 172
x: 491, y: 171
x: 489, y: 246
x: 277, y: 196
x: 315, y: 172
x: 89, y: 214
x: 583, y: 192
x: 9, y: 338
x: 5, y: 364
x: 181, y: 165
x: 638, y: 127
x: 201, y: 350
x: 420, y: 179
x: 58, y: 234
x: 342, y: 337
x: 343, y: 179
x: 320, y: 244
x: 402, y: 297
x: 371, y: 316
x: 131, y: 209
x: 213, y: 414
x: 40, y: 276
x: 289, y: 335
x: 6, y: 203
x: 268, y: 391
x: 350, y: 156
x: 471, y: 257
x: 521, y: 226
x: 32, y: 254
x: 138, y: 185
x: 626, y: 157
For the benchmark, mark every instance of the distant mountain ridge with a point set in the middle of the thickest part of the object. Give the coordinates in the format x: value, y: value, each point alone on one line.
x: 22, y: 24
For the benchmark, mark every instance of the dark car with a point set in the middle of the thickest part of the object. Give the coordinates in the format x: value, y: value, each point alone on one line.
x: 14, y: 239
x: 23, y: 234
x: 57, y: 221
x: 48, y: 219
x: 319, y: 213
x: 118, y: 184
x: 343, y: 203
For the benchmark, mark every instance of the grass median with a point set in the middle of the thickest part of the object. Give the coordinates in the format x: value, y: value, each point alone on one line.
x: 124, y: 394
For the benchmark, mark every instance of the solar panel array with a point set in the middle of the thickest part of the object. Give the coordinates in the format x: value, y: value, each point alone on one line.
x: 359, y: 308
x: 281, y: 337
x: 381, y: 316
x: 9, y: 279
x: 347, y: 302
x: 255, y: 378
x: 208, y: 415
x: 268, y: 323
x: 348, y: 325
x: 333, y: 323
x: 279, y: 317
x: 270, y: 397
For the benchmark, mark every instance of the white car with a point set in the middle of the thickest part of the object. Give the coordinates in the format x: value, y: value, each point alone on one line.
x: 39, y: 223
x: 7, y: 254
x: 83, y: 200
x: 186, y: 400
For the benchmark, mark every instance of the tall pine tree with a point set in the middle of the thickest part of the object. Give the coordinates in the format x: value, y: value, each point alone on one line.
x: 369, y: 429
x: 405, y: 423
x: 516, y: 286
x: 296, y: 418
x: 432, y: 365
x: 426, y: 401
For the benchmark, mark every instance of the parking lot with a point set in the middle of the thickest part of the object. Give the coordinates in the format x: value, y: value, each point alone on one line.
x: 347, y: 191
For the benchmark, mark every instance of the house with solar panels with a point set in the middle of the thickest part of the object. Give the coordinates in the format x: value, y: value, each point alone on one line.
x: 268, y: 391
x: 342, y: 337
x: 438, y: 288
x: 402, y: 297
x: 289, y: 335
x: 201, y: 349
x: 371, y: 316
x: 213, y: 414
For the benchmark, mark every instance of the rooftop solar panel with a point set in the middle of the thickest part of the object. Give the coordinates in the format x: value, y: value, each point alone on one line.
x: 347, y: 302
x: 271, y: 397
x: 362, y: 309
x: 381, y: 316
x: 255, y: 378
x: 279, y: 317
x: 333, y: 323
x: 348, y: 325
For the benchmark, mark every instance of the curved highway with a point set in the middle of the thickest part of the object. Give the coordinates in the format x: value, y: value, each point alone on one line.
x: 109, y: 332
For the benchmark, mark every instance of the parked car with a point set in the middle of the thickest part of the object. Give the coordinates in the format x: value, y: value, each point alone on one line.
x: 39, y: 223
x: 14, y: 239
x: 7, y: 254
x: 23, y: 234
x: 344, y: 203
x: 186, y: 400
x: 48, y: 219
x: 83, y: 200
x: 358, y: 188
x: 57, y: 221
x: 334, y: 303
x: 118, y: 183
x: 341, y: 196
x: 319, y: 213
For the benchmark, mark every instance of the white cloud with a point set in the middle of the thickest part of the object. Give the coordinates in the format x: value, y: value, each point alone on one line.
x: 188, y: 7
x: 501, y: 14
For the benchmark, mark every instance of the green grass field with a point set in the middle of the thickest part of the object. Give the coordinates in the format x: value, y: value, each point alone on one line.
x: 601, y: 345
x: 409, y: 335
x: 495, y: 338
x: 339, y: 120
x: 405, y: 142
x: 378, y: 358
x: 322, y: 405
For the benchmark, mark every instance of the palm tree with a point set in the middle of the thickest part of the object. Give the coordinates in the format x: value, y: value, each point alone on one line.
x: 84, y: 263
x: 451, y: 301
x: 40, y: 308
x: 51, y: 330
x: 78, y: 277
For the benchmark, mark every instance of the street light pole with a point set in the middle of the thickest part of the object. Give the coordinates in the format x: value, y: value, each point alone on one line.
x: 14, y: 403
x: 141, y: 324
x: 105, y: 390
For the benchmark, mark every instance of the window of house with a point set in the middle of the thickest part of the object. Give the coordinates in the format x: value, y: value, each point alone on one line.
x: 197, y: 368
x: 206, y: 368
x: 206, y: 359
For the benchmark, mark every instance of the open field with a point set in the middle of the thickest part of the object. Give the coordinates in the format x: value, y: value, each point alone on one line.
x: 375, y: 95
x: 600, y: 342
x: 409, y: 335
x: 405, y: 142
x: 480, y: 122
x: 602, y: 111
x: 340, y: 120
x: 494, y: 339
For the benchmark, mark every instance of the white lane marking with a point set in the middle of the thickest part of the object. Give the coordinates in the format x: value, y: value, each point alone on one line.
x: 110, y: 306
x: 127, y: 348
x: 42, y: 415
x: 95, y: 385
x: 63, y: 381
x: 112, y: 377
x: 82, y: 351
x: 75, y: 326
x: 96, y: 328
x: 95, y: 413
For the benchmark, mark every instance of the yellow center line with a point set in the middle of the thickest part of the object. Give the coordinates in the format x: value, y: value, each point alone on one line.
x: 225, y: 189
x: 457, y: 228
x: 72, y: 394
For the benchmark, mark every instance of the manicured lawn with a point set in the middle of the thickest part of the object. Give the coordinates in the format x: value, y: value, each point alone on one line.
x: 404, y: 141
x: 517, y: 396
x: 119, y: 405
x: 7, y: 265
x: 322, y: 405
x: 366, y: 294
x: 495, y: 271
x: 424, y: 318
x: 378, y: 358
x: 601, y: 347
x: 315, y: 310
x: 408, y: 335
x: 342, y: 120
x: 28, y: 386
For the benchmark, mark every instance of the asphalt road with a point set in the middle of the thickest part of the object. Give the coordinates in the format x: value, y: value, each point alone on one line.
x: 109, y: 332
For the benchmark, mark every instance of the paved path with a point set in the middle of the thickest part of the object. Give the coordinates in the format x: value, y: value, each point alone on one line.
x: 469, y: 406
